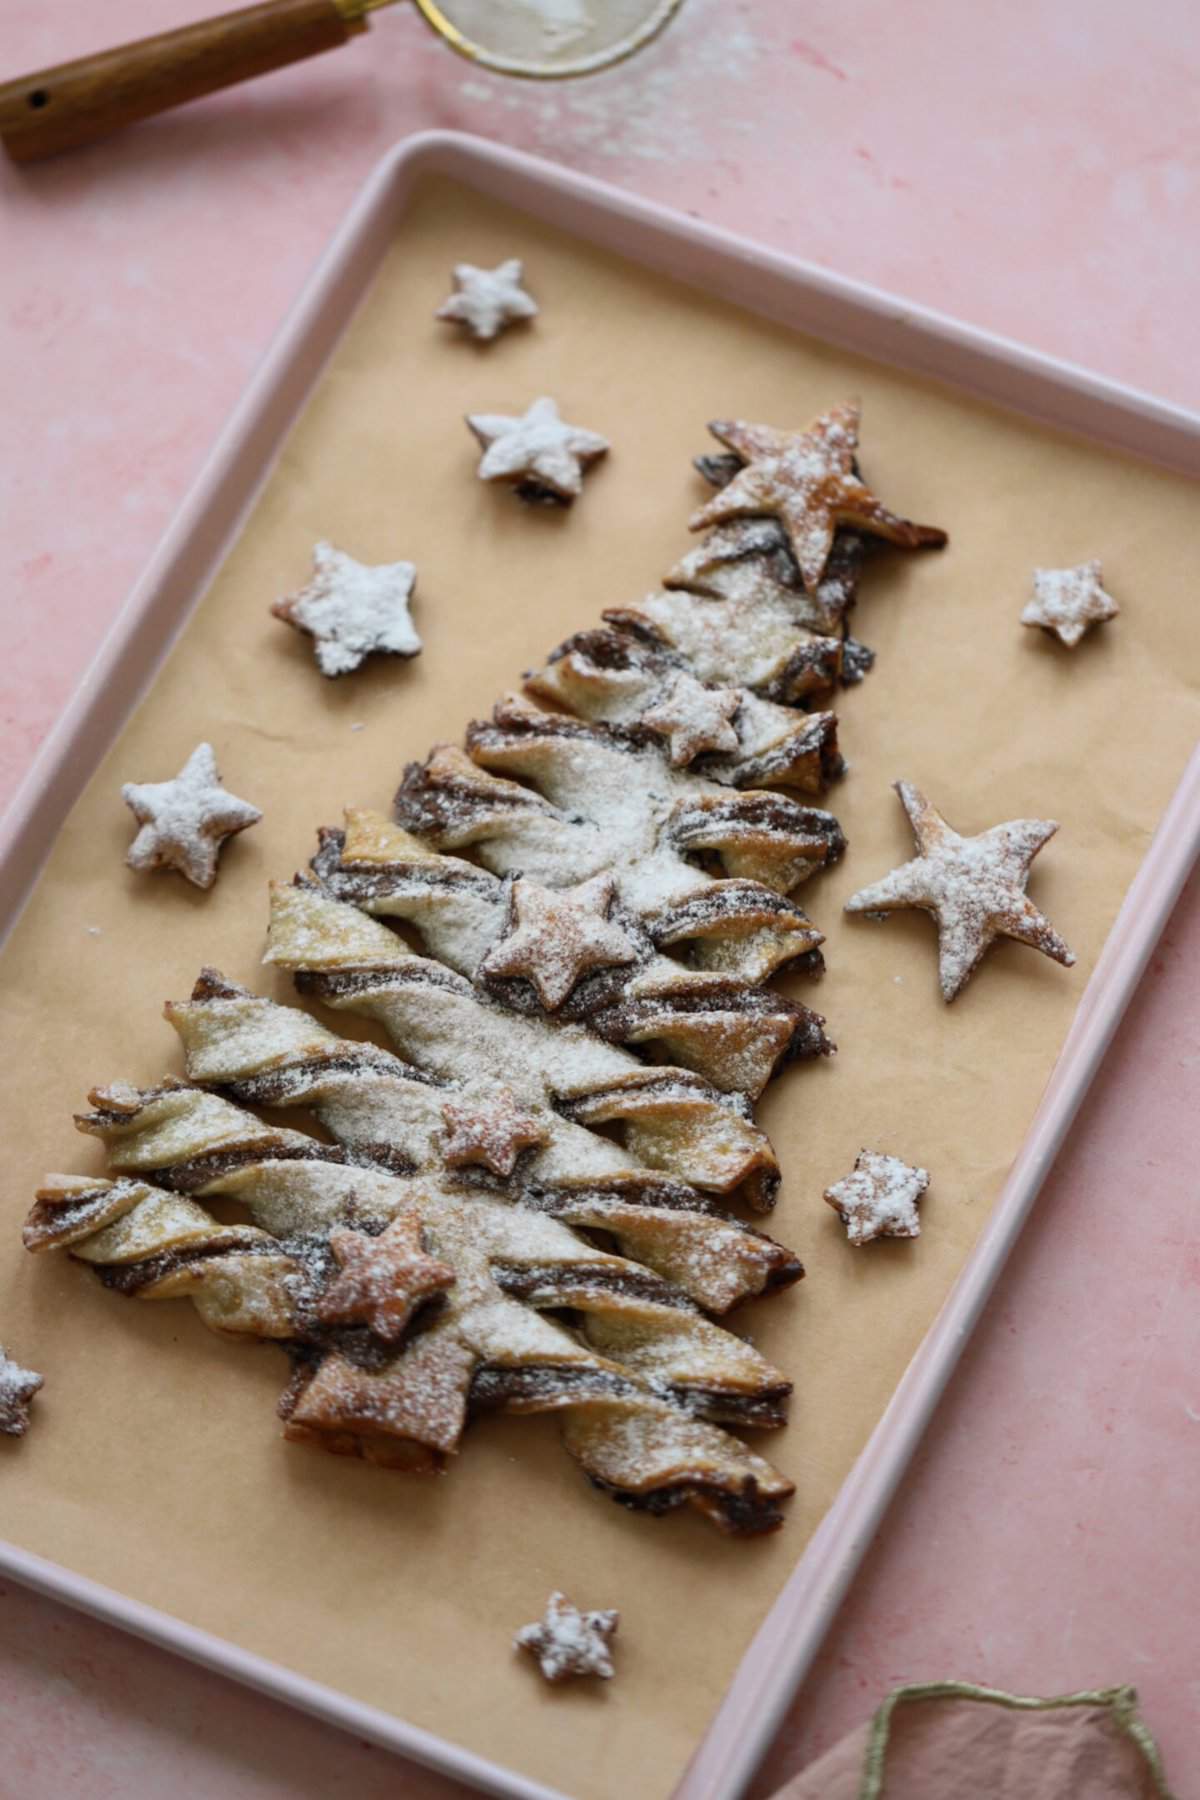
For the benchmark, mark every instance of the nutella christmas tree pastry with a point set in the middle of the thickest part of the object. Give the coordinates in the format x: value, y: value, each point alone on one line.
x: 408, y: 1303
x: 536, y: 451
x: 486, y: 302
x: 352, y: 610
x: 17, y: 1389
x: 1068, y: 602
x: 567, y: 1642
x: 185, y: 822
x: 809, y: 481
x: 879, y: 1198
x: 973, y: 886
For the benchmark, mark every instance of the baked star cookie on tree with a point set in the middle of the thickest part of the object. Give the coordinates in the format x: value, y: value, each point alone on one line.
x: 486, y: 302
x: 555, y: 935
x: 352, y: 610
x: 537, y: 451
x: 185, y: 822
x: 807, y: 480
x: 973, y: 886
x: 1068, y: 602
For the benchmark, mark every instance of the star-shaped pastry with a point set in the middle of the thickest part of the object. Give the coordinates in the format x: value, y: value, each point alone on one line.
x: 973, y: 886
x: 185, y: 822
x: 806, y: 479
x: 555, y: 935
x: 352, y: 610
x: 17, y: 1388
x: 492, y: 1133
x: 879, y: 1197
x: 381, y: 1280
x: 1068, y: 602
x: 485, y: 301
x: 568, y: 1642
x: 693, y: 718
x: 540, y: 452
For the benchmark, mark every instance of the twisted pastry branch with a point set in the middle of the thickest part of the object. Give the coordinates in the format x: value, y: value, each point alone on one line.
x: 382, y: 1111
x: 445, y: 1026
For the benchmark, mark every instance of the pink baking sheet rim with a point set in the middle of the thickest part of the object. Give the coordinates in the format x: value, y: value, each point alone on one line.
x: 852, y: 316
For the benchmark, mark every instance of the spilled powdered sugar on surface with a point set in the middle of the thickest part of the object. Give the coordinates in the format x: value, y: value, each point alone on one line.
x: 655, y: 107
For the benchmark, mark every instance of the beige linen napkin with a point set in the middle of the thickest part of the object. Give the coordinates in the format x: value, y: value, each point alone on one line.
x: 953, y: 1741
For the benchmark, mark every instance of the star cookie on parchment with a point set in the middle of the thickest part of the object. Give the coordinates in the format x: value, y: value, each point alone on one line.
x: 538, y: 451
x: 492, y: 1133
x: 381, y: 1280
x: 486, y: 301
x: 568, y: 1642
x: 1068, y: 602
x: 352, y: 610
x: 185, y: 822
x: 17, y: 1388
x: 973, y: 886
x: 693, y: 718
x: 806, y: 479
x: 555, y: 935
x: 879, y: 1197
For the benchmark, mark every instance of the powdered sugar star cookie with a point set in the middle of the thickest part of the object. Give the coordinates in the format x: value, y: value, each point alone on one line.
x: 693, y: 718
x: 352, y: 609
x: 537, y: 450
x: 17, y: 1389
x: 807, y: 480
x: 555, y: 935
x: 973, y: 886
x: 185, y: 822
x: 486, y: 301
x: 879, y: 1197
x: 491, y: 1132
x: 382, y: 1280
x: 568, y: 1642
x: 1068, y: 602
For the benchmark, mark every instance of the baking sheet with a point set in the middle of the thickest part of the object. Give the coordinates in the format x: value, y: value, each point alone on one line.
x: 156, y: 1467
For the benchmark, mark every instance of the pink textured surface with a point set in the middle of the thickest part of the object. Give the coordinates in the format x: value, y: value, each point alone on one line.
x: 139, y: 284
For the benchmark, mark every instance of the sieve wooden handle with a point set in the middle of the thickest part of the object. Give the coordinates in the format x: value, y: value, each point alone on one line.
x: 63, y: 108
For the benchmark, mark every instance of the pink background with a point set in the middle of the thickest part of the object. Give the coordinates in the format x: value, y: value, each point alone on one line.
x: 1032, y: 168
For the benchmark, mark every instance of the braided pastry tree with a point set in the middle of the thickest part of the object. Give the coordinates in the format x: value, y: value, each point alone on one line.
x: 524, y: 1208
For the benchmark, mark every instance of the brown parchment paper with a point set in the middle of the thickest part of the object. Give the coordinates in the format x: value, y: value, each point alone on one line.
x: 156, y: 1464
